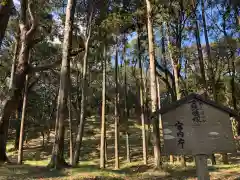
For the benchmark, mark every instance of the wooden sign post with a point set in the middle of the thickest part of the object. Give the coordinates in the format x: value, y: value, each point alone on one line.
x: 198, y: 127
x: 202, y: 167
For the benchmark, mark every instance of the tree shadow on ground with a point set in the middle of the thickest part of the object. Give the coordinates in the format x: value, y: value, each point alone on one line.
x: 22, y: 172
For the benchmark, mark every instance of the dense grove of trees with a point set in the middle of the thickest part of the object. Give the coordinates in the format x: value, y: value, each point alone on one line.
x: 71, y: 59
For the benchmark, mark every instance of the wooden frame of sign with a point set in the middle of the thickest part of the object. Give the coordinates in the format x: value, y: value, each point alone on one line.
x: 199, y: 127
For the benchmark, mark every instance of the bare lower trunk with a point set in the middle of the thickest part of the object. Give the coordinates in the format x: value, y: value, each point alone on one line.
x: 12, y: 100
x: 20, y: 147
x: 142, y: 115
x: 126, y: 112
x: 116, y: 123
x: 82, y: 114
x: 70, y: 128
x: 57, y: 159
x: 153, y: 86
x: 127, y: 147
x: 175, y: 65
x: 18, y: 125
x: 103, y: 122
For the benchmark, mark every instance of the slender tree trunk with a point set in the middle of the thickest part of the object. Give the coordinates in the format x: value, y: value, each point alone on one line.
x: 171, y: 158
x: 142, y: 115
x: 70, y: 125
x: 57, y: 159
x: 83, y: 95
x: 175, y: 65
x: 199, y: 47
x: 159, y: 107
x: 5, y: 12
x: 153, y: 85
x: 103, y: 123
x: 126, y: 107
x: 15, y: 56
x: 18, y: 126
x: 23, y: 116
x: 146, y: 112
x: 210, y: 63
x: 116, y: 123
x: 82, y: 110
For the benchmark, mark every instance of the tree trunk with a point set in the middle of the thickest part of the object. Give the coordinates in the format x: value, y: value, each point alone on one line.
x: 159, y: 107
x: 12, y: 100
x: 82, y: 109
x: 153, y: 86
x: 15, y: 56
x: 103, y: 123
x: 5, y: 12
x: 175, y: 65
x: 70, y: 125
x: 210, y: 63
x: 18, y: 126
x: 116, y: 123
x: 142, y: 115
x: 146, y: 112
x: 83, y: 95
x: 199, y: 47
x: 21, y: 137
x: 57, y: 159
x: 126, y: 107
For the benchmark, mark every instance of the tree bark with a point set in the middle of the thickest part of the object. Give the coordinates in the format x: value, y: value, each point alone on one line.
x: 116, y: 122
x: 15, y: 56
x: 199, y: 47
x: 126, y: 107
x: 82, y: 110
x: 21, y: 137
x: 70, y: 125
x: 175, y: 65
x: 84, y: 91
x: 12, y: 99
x: 153, y: 86
x: 57, y: 159
x: 5, y: 12
x: 141, y: 90
x: 103, y: 123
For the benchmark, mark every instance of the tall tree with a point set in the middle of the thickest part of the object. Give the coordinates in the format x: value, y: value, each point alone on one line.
x: 70, y: 123
x: 84, y: 87
x: 12, y: 99
x: 199, y: 46
x: 126, y: 111
x: 21, y: 137
x: 57, y: 159
x: 153, y: 86
x: 116, y: 112
x: 103, y: 118
x: 211, y: 73
x: 141, y: 94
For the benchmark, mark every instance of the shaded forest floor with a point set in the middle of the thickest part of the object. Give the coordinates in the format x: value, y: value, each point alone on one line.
x: 36, y: 157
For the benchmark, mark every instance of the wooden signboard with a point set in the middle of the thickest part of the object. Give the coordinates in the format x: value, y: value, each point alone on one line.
x: 199, y: 127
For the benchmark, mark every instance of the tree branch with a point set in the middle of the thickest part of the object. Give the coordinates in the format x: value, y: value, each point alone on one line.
x: 165, y: 70
x: 75, y: 52
x: 45, y: 67
x: 32, y: 19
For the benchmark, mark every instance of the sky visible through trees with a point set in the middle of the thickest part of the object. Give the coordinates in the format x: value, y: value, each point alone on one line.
x: 84, y: 79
